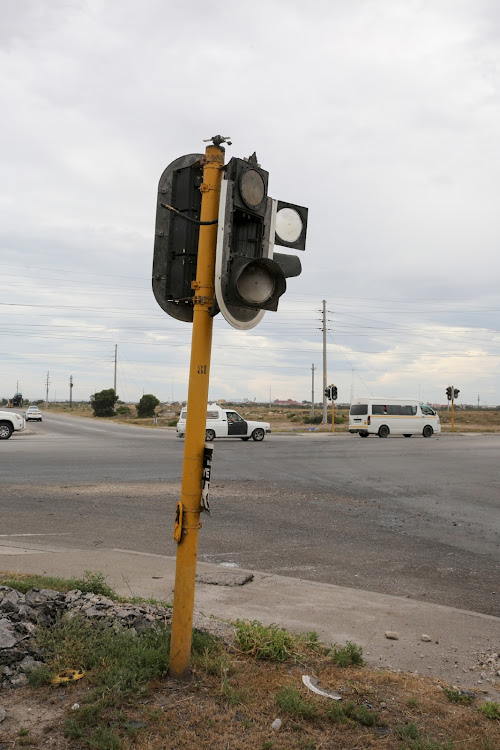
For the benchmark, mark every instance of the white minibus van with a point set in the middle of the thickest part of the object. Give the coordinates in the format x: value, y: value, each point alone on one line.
x: 396, y: 416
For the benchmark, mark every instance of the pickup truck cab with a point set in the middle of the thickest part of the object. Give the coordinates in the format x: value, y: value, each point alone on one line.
x: 226, y: 423
x: 10, y: 422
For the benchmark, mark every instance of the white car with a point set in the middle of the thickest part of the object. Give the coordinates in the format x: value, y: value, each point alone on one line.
x: 10, y: 422
x: 34, y: 413
x: 225, y: 423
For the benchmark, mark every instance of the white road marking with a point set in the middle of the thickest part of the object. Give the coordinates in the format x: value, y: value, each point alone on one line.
x: 61, y: 533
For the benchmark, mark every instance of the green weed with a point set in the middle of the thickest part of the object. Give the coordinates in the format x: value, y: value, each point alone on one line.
x: 272, y: 642
x: 491, y: 709
x: 289, y: 699
x: 343, y: 712
x: 348, y: 655
x: 92, y: 582
x: 455, y: 696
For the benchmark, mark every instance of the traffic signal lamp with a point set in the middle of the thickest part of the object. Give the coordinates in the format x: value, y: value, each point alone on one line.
x: 334, y: 393
x: 448, y: 393
x: 455, y: 393
x: 249, y: 277
x: 176, y: 236
x: 328, y: 392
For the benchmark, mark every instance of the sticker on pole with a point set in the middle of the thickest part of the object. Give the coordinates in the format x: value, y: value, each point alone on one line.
x: 205, y: 477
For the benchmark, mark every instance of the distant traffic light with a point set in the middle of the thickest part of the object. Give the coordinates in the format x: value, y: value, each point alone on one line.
x: 328, y: 392
x: 249, y: 277
x: 333, y: 393
x: 455, y: 393
x: 448, y: 392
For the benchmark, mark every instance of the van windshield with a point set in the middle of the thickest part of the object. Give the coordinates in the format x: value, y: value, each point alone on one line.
x: 359, y: 409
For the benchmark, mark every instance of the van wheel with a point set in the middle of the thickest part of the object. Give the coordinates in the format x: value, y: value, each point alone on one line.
x: 427, y: 431
x: 258, y: 434
x: 5, y: 430
x: 246, y: 438
x: 209, y: 435
x: 363, y: 434
x: 383, y: 431
x: 408, y: 435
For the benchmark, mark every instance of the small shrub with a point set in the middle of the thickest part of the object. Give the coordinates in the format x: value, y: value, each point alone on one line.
x: 123, y: 410
x: 289, y: 699
x: 456, y: 696
x: 271, y: 642
x: 172, y: 422
x: 491, y: 709
x: 348, y: 655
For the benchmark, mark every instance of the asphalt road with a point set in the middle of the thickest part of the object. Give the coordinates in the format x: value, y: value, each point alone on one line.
x: 410, y: 517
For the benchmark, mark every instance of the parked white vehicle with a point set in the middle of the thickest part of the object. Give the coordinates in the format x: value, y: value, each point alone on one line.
x: 224, y: 423
x: 10, y: 422
x: 396, y: 416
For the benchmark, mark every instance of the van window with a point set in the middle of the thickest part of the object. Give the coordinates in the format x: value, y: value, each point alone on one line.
x: 427, y: 410
x: 357, y: 409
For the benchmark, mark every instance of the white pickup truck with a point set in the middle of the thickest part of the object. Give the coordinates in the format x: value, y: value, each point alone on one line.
x: 226, y: 423
x: 10, y: 422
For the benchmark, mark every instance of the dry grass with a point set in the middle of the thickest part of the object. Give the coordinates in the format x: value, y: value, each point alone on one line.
x: 231, y: 702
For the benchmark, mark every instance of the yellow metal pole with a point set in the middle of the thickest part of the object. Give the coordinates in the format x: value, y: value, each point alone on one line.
x: 333, y: 415
x: 452, y: 412
x: 199, y: 374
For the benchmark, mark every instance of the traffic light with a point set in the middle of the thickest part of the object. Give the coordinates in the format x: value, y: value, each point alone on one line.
x: 448, y: 393
x: 455, y: 393
x: 328, y: 392
x: 249, y: 277
x: 176, y: 236
x: 334, y: 393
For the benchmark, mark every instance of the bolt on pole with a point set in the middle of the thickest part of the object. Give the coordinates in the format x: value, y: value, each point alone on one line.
x: 199, y: 375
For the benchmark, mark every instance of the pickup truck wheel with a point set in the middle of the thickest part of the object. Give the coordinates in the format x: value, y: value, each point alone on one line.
x: 258, y: 434
x: 5, y: 430
x: 209, y: 435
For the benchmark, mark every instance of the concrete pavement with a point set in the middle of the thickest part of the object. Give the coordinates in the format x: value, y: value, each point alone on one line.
x: 337, y: 614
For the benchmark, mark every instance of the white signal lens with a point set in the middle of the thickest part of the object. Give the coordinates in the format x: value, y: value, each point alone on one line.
x: 288, y: 225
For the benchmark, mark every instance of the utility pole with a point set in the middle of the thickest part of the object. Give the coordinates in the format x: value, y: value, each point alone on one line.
x: 478, y: 400
x: 47, y: 383
x: 71, y: 391
x: 189, y: 507
x: 325, y: 401
x: 116, y: 353
x: 312, y: 391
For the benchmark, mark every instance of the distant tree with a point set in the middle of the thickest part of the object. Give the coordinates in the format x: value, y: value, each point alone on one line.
x: 4, y: 402
x: 103, y: 403
x: 39, y: 401
x: 146, y: 406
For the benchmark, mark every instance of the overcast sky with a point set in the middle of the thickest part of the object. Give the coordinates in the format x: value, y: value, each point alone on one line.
x: 381, y: 116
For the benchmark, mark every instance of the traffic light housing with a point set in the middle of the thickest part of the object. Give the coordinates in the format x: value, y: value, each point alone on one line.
x: 249, y: 277
x: 328, y: 392
x: 334, y: 393
x: 176, y: 237
x: 455, y: 393
x: 448, y: 393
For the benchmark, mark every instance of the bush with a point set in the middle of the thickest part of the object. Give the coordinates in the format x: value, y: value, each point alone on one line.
x: 103, y: 403
x: 146, y: 406
x: 123, y: 410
